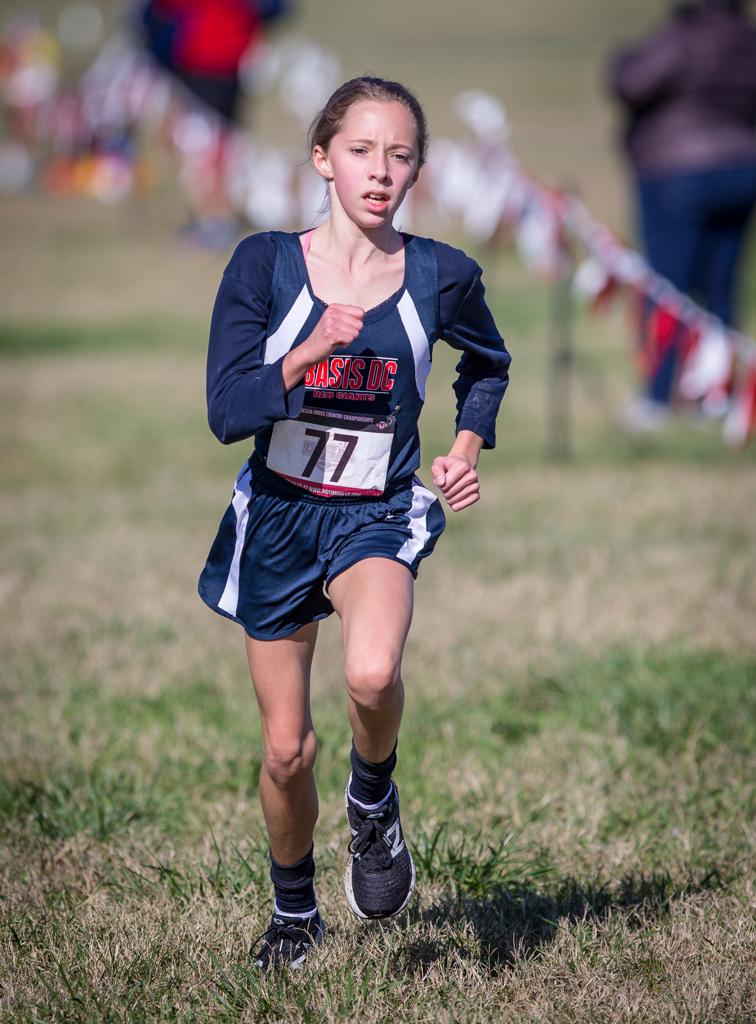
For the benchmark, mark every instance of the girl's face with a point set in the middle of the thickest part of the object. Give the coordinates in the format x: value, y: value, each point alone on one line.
x: 371, y: 161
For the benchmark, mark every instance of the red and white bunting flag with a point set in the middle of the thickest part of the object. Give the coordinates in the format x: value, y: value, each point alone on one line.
x: 707, y: 370
x: 595, y: 284
x: 741, y: 419
x: 539, y: 234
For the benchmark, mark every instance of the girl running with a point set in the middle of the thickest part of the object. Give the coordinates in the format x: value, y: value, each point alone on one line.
x: 320, y: 346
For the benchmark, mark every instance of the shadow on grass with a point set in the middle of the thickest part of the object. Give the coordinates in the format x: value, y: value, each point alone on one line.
x: 515, y: 920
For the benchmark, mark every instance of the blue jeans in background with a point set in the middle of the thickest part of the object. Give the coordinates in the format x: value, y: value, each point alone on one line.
x: 693, y: 226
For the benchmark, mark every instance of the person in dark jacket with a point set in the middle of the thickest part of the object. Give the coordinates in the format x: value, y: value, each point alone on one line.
x: 689, y: 96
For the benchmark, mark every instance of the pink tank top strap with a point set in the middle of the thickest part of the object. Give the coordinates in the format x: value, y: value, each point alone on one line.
x: 306, y: 239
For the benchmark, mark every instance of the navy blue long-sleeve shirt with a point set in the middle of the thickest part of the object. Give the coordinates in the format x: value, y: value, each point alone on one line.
x: 266, y: 306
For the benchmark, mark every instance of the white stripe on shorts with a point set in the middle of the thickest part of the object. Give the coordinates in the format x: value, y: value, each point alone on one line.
x: 418, y: 339
x: 242, y: 493
x: 422, y: 499
x: 281, y: 340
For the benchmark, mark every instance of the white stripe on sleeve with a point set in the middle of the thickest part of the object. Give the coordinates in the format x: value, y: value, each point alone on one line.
x: 418, y: 339
x: 281, y: 340
x: 242, y: 493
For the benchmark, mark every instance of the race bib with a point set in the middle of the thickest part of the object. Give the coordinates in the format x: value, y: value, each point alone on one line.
x: 332, y: 453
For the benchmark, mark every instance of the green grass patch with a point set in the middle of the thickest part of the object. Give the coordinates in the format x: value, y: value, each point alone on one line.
x: 53, y: 338
x: 646, y: 713
x: 99, y: 801
x: 661, y: 699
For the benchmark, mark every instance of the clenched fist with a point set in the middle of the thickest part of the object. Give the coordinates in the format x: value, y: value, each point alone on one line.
x: 457, y: 479
x: 337, y: 327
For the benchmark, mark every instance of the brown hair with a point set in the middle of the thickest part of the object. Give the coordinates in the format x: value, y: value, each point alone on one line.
x: 328, y: 122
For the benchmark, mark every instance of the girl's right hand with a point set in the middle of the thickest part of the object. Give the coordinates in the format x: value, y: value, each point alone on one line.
x: 337, y: 327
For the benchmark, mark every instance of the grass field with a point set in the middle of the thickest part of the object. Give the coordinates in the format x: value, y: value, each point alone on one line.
x: 577, y: 756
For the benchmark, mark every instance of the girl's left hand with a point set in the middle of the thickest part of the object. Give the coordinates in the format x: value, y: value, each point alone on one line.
x: 457, y: 479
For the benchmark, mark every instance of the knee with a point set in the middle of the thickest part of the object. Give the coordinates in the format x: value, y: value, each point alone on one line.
x: 373, y: 682
x: 289, y: 759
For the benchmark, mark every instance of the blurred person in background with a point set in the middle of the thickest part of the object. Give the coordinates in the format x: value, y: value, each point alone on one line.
x: 202, y: 43
x: 689, y: 95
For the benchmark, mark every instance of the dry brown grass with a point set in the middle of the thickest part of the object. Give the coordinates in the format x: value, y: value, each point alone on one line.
x: 686, y: 959
x: 118, y: 490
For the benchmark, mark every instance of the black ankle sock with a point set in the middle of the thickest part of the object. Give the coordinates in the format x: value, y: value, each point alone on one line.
x: 293, y: 885
x: 370, y: 783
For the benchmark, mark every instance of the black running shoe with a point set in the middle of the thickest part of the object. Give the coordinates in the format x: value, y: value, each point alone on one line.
x: 380, y: 876
x: 287, y: 941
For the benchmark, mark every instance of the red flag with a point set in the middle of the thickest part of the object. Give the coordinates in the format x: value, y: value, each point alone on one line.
x: 660, y: 330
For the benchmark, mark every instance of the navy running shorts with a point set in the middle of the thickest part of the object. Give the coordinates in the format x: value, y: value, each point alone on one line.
x: 278, y: 546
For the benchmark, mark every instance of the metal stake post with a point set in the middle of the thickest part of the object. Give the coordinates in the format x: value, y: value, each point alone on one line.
x: 562, y: 353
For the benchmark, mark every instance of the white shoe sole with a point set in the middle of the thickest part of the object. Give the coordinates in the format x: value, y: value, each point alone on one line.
x: 350, y: 891
x: 375, y: 917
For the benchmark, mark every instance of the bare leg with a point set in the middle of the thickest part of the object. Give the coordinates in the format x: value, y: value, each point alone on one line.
x: 280, y: 671
x: 374, y: 601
